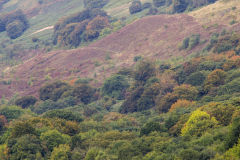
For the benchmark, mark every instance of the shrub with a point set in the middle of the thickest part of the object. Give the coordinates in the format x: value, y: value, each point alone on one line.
x: 15, y: 23
x: 165, y: 103
x: 135, y: 7
x: 11, y: 112
x: 194, y: 41
x: 152, y: 11
x: 196, y: 78
x: 234, y: 132
x: 62, y: 152
x: 229, y: 88
x: 146, y: 5
x: 53, y: 138
x: 144, y: 70
x: 182, y: 104
x: 214, y: 79
x: 49, y: 105
x: 53, y: 90
x: 185, y: 91
x: 115, y: 86
x: 222, y: 113
x: 25, y: 147
x: 72, y: 30
x: 159, y: 3
x: 151, y: 127
x: 22, y: 128
x: 147, y: 99
x: 15, y: 29
x: 198, y: 123
x: 64, y: 114
x: 185, y: 43
x: 26, y: 101
x: 179, y: 6
x: 95, y: 3
x: 84, y: 93
x: 130, y: 104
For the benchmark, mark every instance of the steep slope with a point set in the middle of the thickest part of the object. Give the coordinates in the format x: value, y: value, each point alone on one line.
x: 155, y: 37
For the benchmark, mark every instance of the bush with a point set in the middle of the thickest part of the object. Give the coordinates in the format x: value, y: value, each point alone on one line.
x: 135, y: 7
x: 185, y: 43
x: 198, y: 123
x: 165, y: 103
x: 182, y: 104
x: 194, y: 41
x: 159, y: 3
x: 26, y: 101
x: 15, y: 23
x: 11, y: 112
x: 214, y: 79
x: 146, y: 5
x: 230, y: 88
x: 64, y: 114
x: 72, y: 30
x: 185, y: 91
x: 144, y: 70
x: 115, y: 86
x: 179, y: 6
x: 130, y: 104
x: 53, y: 138
x: 62, y: 152
x: 152, y: 11
x: 151, y: 127
x: 49, y: 105
x: 222, y: 113
x: 26, y: 147
x: 15, y: 29
x: 53, y: 91
x: 196, y: 78
x: 95, y: 3
x: 84, y: 93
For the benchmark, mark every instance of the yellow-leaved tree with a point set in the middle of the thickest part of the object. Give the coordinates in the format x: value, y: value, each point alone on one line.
x: 198, y: 123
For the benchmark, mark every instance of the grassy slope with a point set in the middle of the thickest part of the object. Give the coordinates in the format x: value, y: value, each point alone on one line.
x: 47, y: 14
x: 222, y: 12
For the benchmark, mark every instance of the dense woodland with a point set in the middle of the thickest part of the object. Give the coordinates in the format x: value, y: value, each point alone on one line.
x: 187, y: 111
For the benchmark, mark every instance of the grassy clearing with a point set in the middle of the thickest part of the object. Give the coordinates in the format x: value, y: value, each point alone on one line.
x: 222, y: 12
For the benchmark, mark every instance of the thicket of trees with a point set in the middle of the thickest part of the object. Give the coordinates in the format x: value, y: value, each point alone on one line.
x: 80, y: 27
x: 14, y: 23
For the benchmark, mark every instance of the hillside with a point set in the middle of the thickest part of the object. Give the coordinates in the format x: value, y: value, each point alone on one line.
x: 154, y: 37
x: 151, y: 37
x: 120, y: 80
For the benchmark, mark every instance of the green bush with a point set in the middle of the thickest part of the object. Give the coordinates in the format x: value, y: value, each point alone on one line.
x: 159, y: 3
x: 64, y: 114
x: 53, y: 90
x: 115, y: 86
x: 26, y: 101
x: 15, y: 23
x: 185, y: 43
x: 48, y: 105
x: 72, y: 30
x: 95, y: 3
x: 15, y: 29
x: 53, y: 138
x: 194, y: 41
x: 196, y: 78
x: 11, y: 112
x: 151, y: 127
x: 135, y: 7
